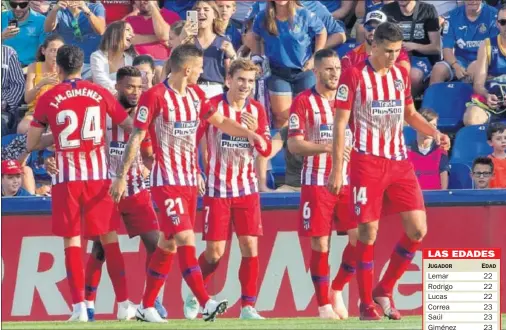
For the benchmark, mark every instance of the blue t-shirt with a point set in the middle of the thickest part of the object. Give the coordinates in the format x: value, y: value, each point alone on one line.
x: 214, y: 61
x: 88, y: 40
x: 372, y: 5
x: 464, y: 36
x: 332, y: 5
x: 331, y: 24
x: 292, y: 48
x: 497, y: 58
x: 31, y: 35
x: 179, y: 6
x: 234, y: 35
x: 21, y: 192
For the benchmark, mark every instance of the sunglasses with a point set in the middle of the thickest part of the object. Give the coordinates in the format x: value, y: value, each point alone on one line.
x: 15, y: 5
x: 502, y: 22
x: 370, y: 27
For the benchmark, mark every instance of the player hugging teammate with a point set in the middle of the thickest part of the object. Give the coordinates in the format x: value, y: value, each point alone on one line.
x: 348, y: 128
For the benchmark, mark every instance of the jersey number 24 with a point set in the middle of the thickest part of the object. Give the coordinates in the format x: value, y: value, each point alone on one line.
x: 90, y: 130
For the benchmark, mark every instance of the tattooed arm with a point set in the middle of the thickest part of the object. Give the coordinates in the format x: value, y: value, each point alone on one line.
x: 118, y: 186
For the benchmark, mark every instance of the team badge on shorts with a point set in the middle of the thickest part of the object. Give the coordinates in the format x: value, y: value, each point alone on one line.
x: 306, y: 224
x: 142, y: 115
x: 175, y: 220
x: 357, y: 209
x: 342, y: 93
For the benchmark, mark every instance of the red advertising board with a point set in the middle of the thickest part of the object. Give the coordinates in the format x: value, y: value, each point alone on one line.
x: 34, y: 286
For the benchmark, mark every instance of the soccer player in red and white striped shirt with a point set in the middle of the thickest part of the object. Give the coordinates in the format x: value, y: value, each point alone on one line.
x: 232, y: 189
x: 76, y: 111
x: 310, y: 135
x: 172, y: 111
x: 376, y: 95
x: 136, y: 209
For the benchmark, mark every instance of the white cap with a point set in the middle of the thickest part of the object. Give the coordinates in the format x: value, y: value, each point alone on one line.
x: 375, y: 16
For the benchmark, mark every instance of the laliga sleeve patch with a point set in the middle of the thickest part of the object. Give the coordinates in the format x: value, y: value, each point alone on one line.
x: 142, y: 115
x: 294, y: 122
x: 342, y: 93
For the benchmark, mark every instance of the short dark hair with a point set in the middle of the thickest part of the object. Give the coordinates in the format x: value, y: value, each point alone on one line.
x: 141, y: 59
x: 428, y: 114
x: 70, y: 59
x: 388, y: 32
x: 39, y: 57
x: 483, y: 161
x: 495, y: 128
x: 324, y: 53
x: 128, y: 71
x: 182, y: 54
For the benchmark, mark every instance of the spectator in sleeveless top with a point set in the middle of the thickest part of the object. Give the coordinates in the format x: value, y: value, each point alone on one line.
x: 40, y: 77
x: 293, y: 165
x: 115, y: 51
x: 429, y: 160
x: 482, y: 172
x: 80, y: 23
x: 284, y: 31
x: 218, y: 50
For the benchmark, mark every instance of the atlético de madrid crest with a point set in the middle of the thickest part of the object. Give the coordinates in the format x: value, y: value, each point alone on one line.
x: 399, y: 85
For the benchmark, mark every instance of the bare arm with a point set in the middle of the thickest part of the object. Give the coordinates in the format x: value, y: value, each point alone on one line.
x: 97, y: 23
x: 261, y: 162
x: 228, y: 126
x: 128, y: 125
x: 335, y: 39
x: 341, y: 119
x: 415, y: 120
x: 444, y: 180
x: 297, y: 145
x: 320, y: 40
x: 148, y: 157
x: 159, y: 25
x: 131, y: 150
x: 480, y: 74
x: 434, y: 47
x: 51, y: 21
x: 346, y: 8
x: 144, y: 39
x: 34, y: 138
x: 30, y: 90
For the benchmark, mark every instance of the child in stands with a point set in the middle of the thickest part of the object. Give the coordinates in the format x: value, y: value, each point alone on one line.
x: 430, y: 161
x: 496, y: 136
x: 482, y: 172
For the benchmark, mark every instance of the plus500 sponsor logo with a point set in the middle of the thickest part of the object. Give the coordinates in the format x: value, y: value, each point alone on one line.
x: 386, y: 107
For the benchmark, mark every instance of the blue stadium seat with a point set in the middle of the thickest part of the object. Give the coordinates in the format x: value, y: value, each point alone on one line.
x: 278, y: 164
x: 270, y: 181
x: 470, y: 142
x: 449, y: 101
x: 345, y: 48
x: 460, y: 176
x: 6, y: 139
x: 409, y: 135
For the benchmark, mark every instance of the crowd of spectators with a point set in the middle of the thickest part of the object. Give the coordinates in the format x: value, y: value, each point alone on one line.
x: 444, y: 41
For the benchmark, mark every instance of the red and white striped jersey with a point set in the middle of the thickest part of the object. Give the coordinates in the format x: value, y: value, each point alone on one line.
x: 377, y: 104
x: 312, y: 116
x: 76, y: 111
x: 116, y: 140
x: 172, y: 120
x: 231, y: 159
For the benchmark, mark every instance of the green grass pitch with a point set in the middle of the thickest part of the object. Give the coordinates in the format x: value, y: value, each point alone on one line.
x: 410, y: 322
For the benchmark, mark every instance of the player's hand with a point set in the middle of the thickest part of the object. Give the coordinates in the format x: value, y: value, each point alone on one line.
x: 250, y: 121
x: 347, y: 153
x: 335, y: 181
x: 118, y: 189
x: 442, y: 140
x: 10, y: 32
x: 201, y: 184
x: 255, y: 139
x: 492, y: 101
x: 50, y: 165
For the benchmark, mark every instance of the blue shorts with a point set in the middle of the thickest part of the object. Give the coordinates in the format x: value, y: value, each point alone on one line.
x: 423, y: 64
x: 460, y: 60
x: 289, y: 81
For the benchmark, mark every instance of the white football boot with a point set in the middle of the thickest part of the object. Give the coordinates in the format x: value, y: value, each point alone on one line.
x: 326, y: 312
x: 191, y: 307
x: 126, y: 311
x: 337, y: 302
x: 213, y: 309
x: 148, y: 315
x: 79, y: 313
x: 250, y: 313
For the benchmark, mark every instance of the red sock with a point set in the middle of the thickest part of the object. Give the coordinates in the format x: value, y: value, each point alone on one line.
x: 75, y: 273
x: 248, y: 276
x: 192, y: 273
x: 148, y: 259
x: 159, y: 266
x: 400, y: 260
x: 347, y: 269
x: 92, y: 277
x: 116, y: 269
x: 365, y: 271
x: 207, y: 269
x: 320, y: 276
